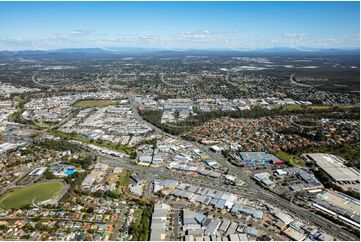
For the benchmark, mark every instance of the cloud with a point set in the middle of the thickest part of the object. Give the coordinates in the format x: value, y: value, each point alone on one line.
x: 191, y: 39
x: 293, y: 35
x: 16, y: 43
x: 77, y: 33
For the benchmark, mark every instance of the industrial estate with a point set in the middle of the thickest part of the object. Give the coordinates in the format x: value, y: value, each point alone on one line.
x: 192, y: 145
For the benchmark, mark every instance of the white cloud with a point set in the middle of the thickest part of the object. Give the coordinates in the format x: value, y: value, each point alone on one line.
x: 191, y: 39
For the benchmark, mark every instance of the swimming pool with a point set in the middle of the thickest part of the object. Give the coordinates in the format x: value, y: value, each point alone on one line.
x: 69, y: 171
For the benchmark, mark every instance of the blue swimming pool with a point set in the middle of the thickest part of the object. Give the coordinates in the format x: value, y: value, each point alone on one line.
x: 69, y: 171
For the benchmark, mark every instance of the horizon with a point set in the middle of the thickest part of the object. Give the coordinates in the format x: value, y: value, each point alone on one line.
x: 239, y: 26
x: 116, y: 50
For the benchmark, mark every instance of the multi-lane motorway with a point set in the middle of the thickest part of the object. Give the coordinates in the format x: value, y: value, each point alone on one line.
x: 258, y: 194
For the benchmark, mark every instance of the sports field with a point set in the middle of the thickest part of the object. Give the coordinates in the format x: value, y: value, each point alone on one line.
x: 30, y: 194
x: 94, y: 103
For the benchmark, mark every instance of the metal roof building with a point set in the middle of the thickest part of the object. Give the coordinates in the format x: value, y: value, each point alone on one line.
x: 294, y: 234
x: 335, y: 167
x: 213, y: 227
x: 257, y: 157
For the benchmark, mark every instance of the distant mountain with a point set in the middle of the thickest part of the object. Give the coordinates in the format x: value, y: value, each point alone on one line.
x: 113, y: 52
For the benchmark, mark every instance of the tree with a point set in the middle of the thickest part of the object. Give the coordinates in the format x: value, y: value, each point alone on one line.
x: 49, y: 175
x: 133, y: 155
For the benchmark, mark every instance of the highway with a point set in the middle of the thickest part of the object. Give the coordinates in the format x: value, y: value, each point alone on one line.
x: 154, y: 173
x: 271, y: 198
x: 292, y: 80
x: 40, y: 84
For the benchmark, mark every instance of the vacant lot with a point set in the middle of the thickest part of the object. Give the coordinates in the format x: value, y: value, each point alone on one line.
x: 293, y: 159
x: 124, y: 178
x: 30, y: 194
x: 94, y: 103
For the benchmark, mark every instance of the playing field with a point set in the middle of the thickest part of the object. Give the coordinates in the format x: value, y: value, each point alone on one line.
x: 94, y: 103
x: 29, y: 194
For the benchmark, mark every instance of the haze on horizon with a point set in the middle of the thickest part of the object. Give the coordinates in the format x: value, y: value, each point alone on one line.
x: 179, y: 25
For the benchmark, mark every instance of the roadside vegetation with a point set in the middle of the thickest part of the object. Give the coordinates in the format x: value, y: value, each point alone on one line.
x: 296, y: 107
x: 90, y: 103
x: 58, y: 145
x: 115, y: 147
x: 139, y: 229
x: 124, y: 178
x: 19, y: 105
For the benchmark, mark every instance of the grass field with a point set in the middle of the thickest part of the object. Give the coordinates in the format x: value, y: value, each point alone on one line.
x: 293, y: 159
x: 243, y: 89
x: 124, y: 178
x: 29, y: 194
x: 94, y: 103
x: 19, y: 101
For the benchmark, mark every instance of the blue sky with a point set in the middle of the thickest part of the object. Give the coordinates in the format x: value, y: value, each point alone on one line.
x: 173, y: 25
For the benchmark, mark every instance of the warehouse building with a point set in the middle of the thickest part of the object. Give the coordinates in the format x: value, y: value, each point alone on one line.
x: 333, y: 202
x: 264, y: 178
x: 159, y: 222
x: 38, y: 171
x: 294, y: 234
x: 335, y: 167
x: 257, y: 157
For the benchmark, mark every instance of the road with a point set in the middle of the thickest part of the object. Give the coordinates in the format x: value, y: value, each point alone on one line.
x: 302, y: 126
x: 305, y: 214
x: 299, y: 84
x: 38, y: 83
x: 176, y: 222
x: 158, y: 173
x: 260, y: 195
x: 170, y: 84
x: 118, y: 226
x: 232, y: 83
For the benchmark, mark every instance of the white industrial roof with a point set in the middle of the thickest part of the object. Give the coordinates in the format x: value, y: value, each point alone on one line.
x: 334, y: 167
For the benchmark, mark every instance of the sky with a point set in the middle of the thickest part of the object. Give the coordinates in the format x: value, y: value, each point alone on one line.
x: 179, y: 25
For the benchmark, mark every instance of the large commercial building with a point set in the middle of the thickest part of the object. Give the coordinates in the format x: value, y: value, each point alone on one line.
x: 332, y: 202
x: 38, y: 171
x: 159, y: 222
x: 257, y: 157
x: 335, y: 167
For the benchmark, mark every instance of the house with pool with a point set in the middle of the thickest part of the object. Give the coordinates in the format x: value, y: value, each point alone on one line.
x: 63, y: 170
